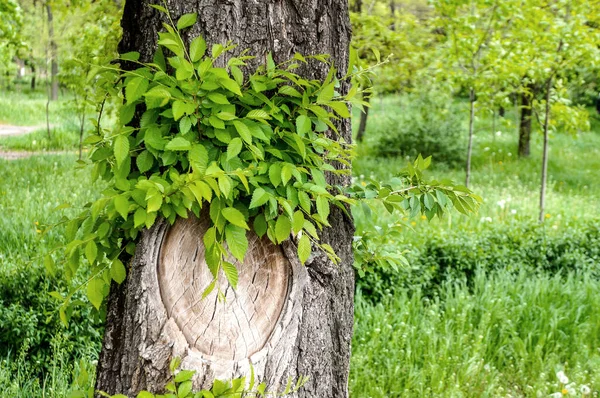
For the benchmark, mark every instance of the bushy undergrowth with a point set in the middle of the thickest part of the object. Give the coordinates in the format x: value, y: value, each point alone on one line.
x: 29, y: 191
x: 426, y: 125
x: 458, y: 254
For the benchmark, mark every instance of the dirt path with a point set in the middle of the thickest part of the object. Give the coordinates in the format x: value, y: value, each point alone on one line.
x: 7, y: 129
x: 14, y: 155
x: 10, y: 130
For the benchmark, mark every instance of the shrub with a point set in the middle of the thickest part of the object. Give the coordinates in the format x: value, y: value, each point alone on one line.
x: 457, y: 255
x: 427, y: 125
x: 29, y: 318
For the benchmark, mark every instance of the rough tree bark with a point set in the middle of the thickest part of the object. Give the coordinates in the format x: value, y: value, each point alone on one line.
x: 306, y: 328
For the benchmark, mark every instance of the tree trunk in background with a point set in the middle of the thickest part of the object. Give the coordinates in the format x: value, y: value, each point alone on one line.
x: 311, y: 336
x: 53, y: 55
x: 32, y: 76
x: 525, y: 124
x: 393, y: 13
x: 362, y: 126
x: 470, y: 146
x: 357, y: 6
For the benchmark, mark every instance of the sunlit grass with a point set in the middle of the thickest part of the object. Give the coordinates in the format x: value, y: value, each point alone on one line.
x: 504, y: 336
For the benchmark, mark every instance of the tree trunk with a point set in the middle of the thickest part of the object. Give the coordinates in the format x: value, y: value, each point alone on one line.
x: 53, y: 54
x: 545, y: 153
x: 32, y: 76
x: 362, y: 126
x: 525, y: 125
x: 303, y: 325
x: 470, y: 146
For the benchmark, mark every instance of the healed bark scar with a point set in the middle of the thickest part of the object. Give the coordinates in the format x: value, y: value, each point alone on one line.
x: 239, y: 326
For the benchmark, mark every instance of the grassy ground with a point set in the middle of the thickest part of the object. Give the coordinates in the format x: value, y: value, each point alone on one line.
x: 29, y: 109
x: 504, y: 336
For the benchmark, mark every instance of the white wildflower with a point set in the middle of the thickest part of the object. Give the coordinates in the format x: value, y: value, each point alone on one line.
x: 562, y: 377
x: 501, y: 203
x: 498, y: 133
x: 585, y: 390
x: 513, y: 211
x: 556, y: 395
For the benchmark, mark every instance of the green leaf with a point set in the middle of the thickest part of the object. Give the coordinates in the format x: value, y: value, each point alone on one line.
x: 235, y: 217
x: 130, y: 56
x: 117, y: 271
x: 303, y: 125
x: 179, y: 144
x: 298, y: 221
x: 179, y: 109
x: 122, y: 205
x: 323, y: 207
x: 154, y: 202
x: 197, y: 48
x: 258, y: 114
x: 186, y: 21
x: 289, y: 90
x: 156, y: 97
x: 95, y: 292
x: 135, y: 89
x: 121, y: 149
x: 91, y: 251
x: 260, y: 225
x: 231, y: 273
x: 283, y: 228
x: 234, y: 148
x: 144, y: 394
x: 341, y: 108
x: 185, y: 124
x: 198, y: 157
x: 259, y: 198
x: 275, y: 174
x: 218, y: 98
x: 243, y: 131
x: 139, y: 217
x: 236, y: 241
x: 184, y: 389
x: 304, y: 248
x: 326, y: 94
x: 304, y: 200
x: 144, y: 161
x: 231, y: 85
x: 49, y: 264
x: 184, y: 375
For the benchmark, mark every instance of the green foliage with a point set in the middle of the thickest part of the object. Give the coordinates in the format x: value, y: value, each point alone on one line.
x: 458, y: 255
x: 408, y: 194
x: 252, y: 149
x: 29, y: 190
x: 181, y: 385
x: 428, y: 124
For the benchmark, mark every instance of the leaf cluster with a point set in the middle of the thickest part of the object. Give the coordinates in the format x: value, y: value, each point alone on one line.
x: 248, y: 149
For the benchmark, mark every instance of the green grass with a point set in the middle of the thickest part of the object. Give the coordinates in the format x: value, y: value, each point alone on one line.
x: 506, y: 336
x: 29, y: 109
x: 36, y: 351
